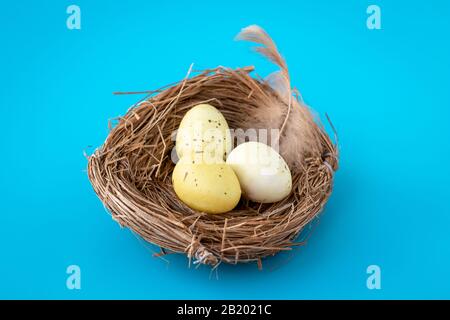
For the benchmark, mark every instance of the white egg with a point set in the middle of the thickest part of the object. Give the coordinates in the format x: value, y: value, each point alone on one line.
x: 263, y: 174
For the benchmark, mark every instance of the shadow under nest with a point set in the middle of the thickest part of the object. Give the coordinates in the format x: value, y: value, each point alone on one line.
x: 131, y: 174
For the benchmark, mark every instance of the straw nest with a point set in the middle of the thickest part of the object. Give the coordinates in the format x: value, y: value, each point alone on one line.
x: 131, y: 171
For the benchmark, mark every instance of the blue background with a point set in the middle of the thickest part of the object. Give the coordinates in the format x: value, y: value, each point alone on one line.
x: 387, y: 92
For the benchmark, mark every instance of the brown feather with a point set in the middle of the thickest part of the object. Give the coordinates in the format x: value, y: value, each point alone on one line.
x: 298, y: 136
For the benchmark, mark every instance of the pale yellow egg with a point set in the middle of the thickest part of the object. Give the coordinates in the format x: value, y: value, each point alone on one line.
x: 203, y: 131
x: 208, y: 187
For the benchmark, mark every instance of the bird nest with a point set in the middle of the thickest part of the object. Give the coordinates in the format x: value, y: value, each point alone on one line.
x: 131, y: 171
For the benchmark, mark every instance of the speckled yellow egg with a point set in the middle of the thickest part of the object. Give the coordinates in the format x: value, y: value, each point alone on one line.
x: 203, y: 130
x: 208, y: 187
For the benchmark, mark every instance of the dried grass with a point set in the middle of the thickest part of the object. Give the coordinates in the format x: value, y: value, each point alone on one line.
x: 131, y: 171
